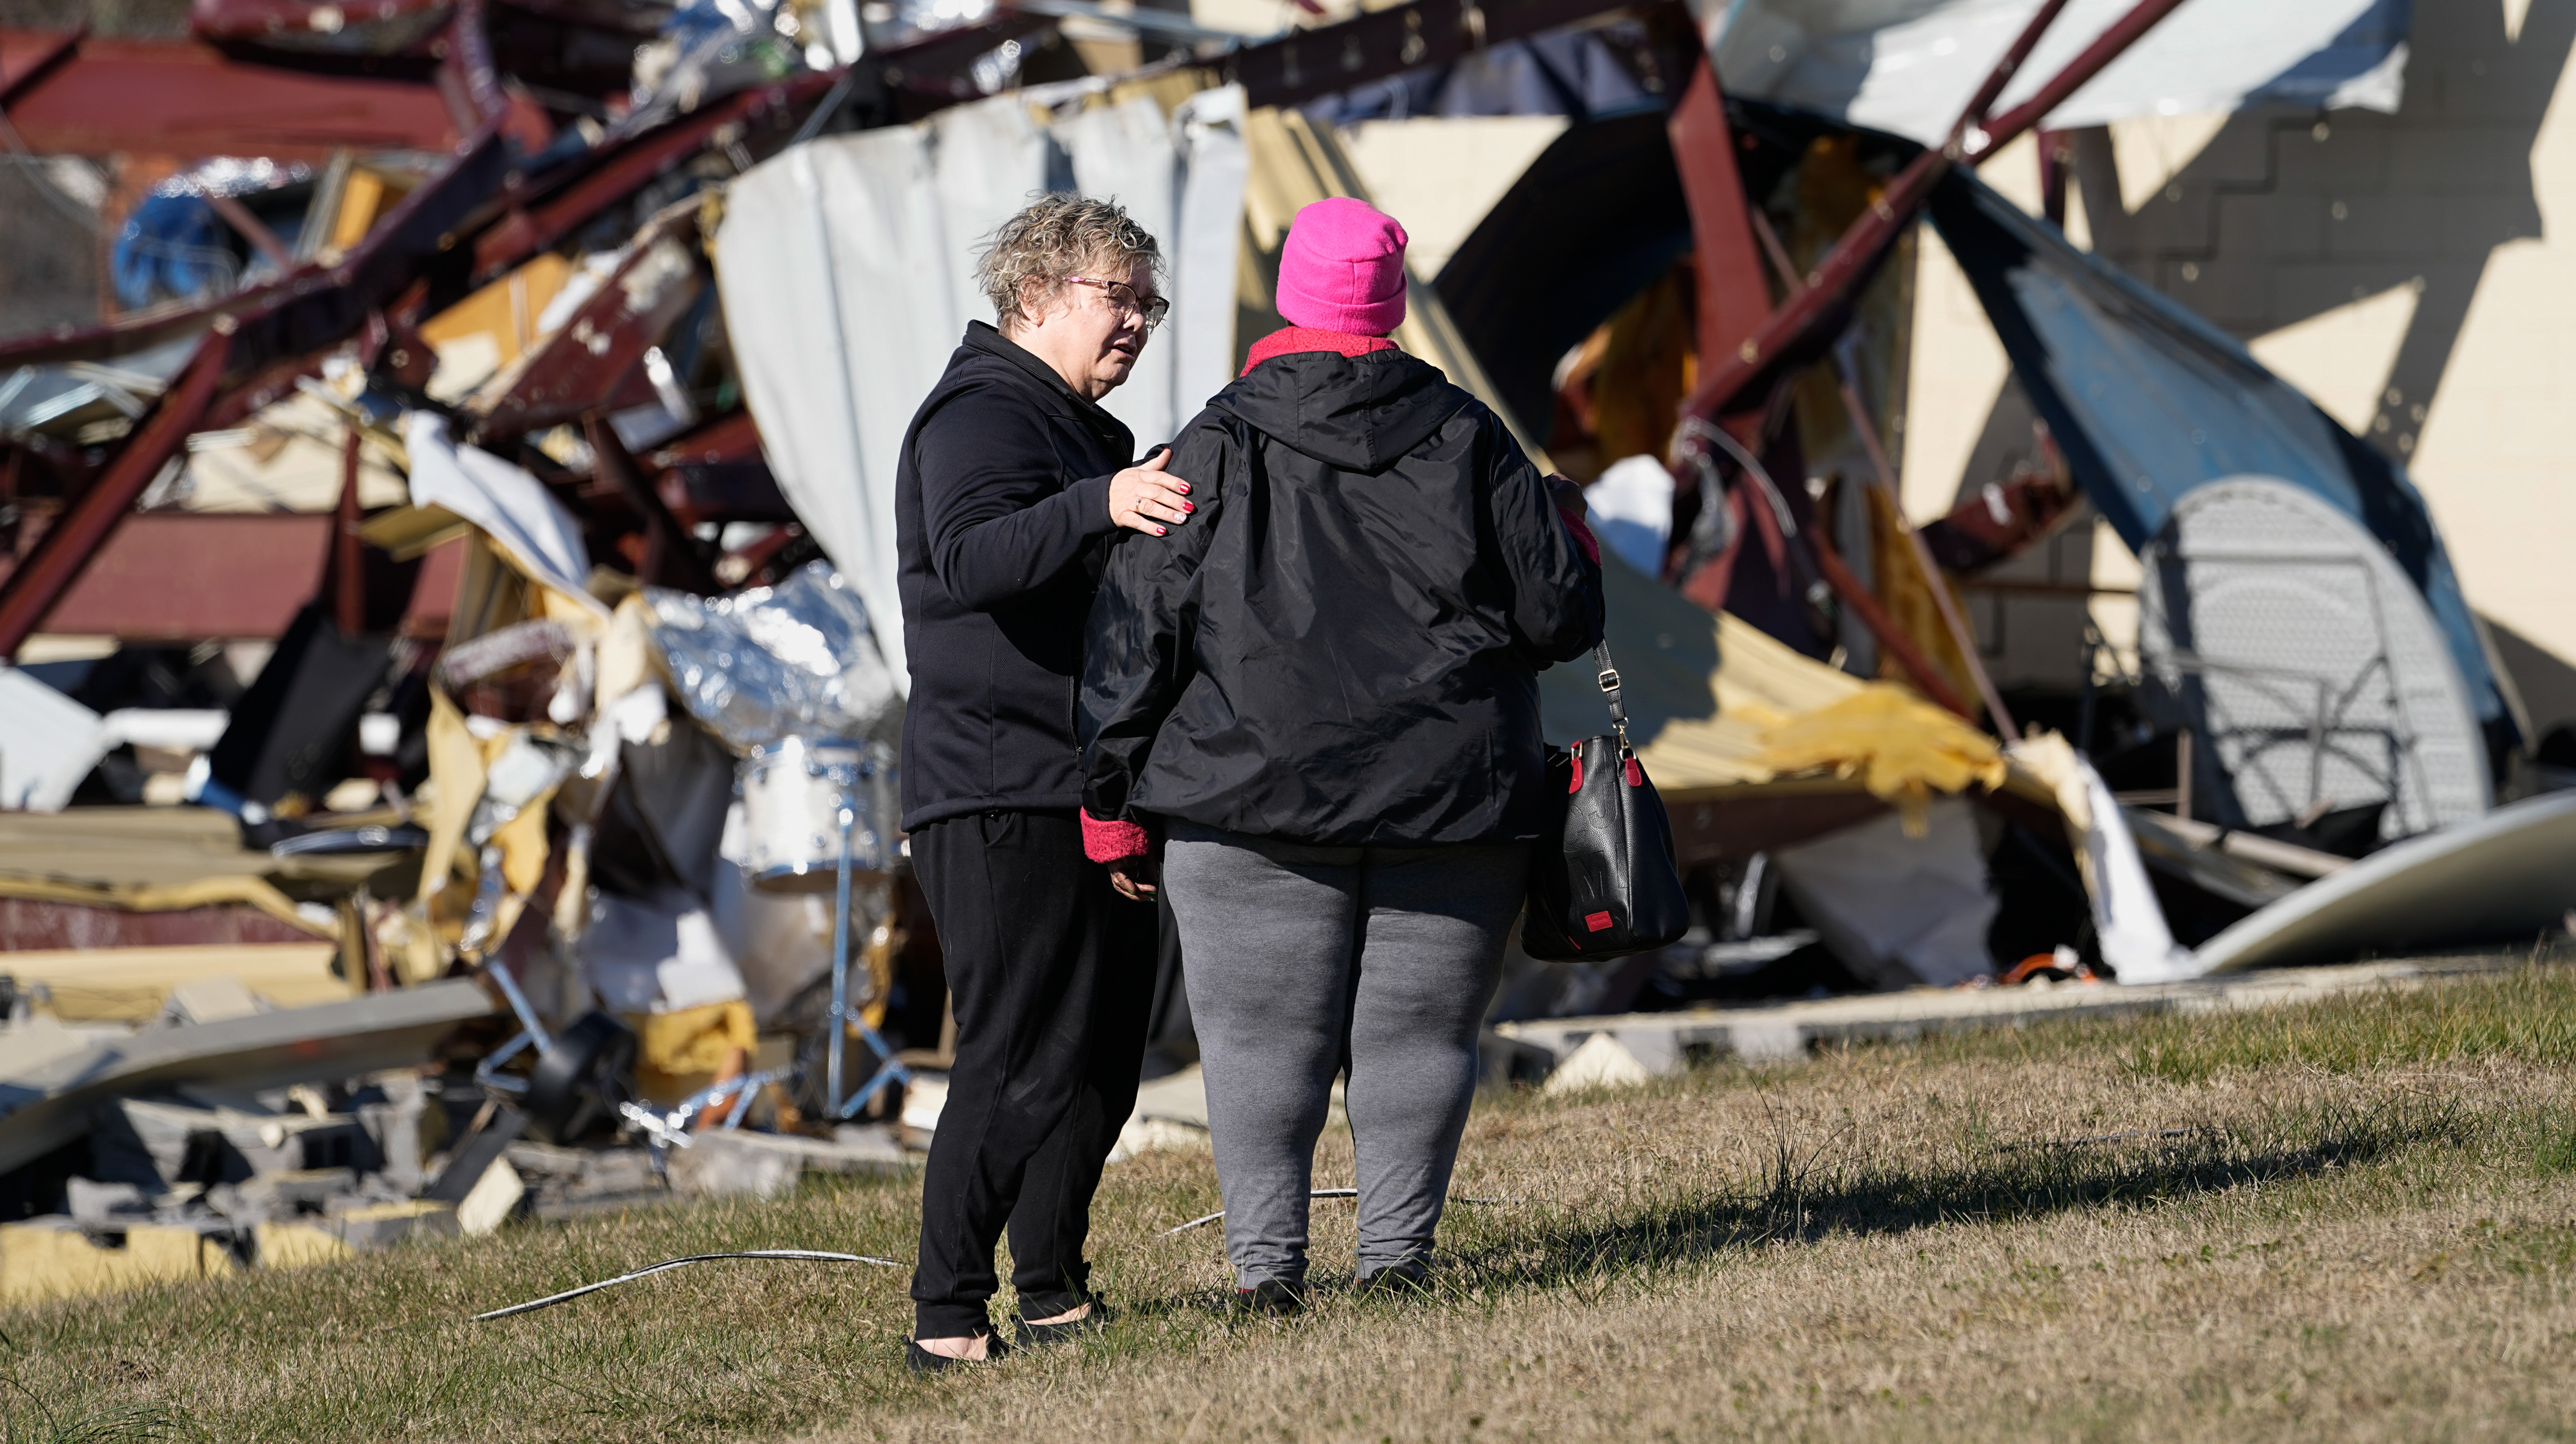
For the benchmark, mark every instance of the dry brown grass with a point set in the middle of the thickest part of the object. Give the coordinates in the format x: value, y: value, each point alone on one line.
x: 2367, y: 1230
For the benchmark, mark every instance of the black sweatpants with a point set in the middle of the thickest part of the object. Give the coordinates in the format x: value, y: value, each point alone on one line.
x: 1051, y: 973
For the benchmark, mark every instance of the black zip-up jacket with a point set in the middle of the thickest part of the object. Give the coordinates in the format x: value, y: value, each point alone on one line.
x: 1343, y: 645
x: 1001, y: 501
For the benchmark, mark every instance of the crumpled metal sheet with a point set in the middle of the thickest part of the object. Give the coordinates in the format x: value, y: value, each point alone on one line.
x: 1908, y: 66
x: 769, y: 663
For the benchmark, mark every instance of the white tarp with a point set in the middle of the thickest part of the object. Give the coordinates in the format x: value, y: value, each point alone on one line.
x: 838, y: 285
x: 1909, y: 66
x: 1632, y: 511
x: 511, y: 507
x: 2128, y: 923
x: 846, y: 267
x: 1899, y: 910
x: 988, y: 161
x: 1214, y: 165
x: 48, y: 743
x: 1124, y: 152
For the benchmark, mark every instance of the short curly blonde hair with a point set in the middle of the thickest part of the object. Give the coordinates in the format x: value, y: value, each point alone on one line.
x: 1054, y: 237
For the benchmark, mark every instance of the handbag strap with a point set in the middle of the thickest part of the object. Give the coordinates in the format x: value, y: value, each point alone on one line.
x: 1609, y: 679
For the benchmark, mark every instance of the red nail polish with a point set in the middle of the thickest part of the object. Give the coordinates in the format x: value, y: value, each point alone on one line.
x: 1162, y: 531
x: 1185, y: 488
x: 1189, y: 506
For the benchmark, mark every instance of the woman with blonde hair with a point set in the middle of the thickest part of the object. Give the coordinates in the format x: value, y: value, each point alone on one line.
x: 1011, y: 481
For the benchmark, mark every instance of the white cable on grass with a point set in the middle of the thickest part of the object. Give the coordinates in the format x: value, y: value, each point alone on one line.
x: 792, y: 1254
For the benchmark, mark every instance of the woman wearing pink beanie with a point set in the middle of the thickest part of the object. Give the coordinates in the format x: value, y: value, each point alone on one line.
x: 1323, y: 691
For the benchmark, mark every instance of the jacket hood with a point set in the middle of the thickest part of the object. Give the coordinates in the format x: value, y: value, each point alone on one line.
x: 1352, y: 413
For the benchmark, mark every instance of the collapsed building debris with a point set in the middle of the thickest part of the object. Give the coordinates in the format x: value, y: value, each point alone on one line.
x: 547, y: 859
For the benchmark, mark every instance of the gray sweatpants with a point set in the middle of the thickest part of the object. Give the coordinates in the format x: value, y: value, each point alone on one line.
x: 1292, y: 951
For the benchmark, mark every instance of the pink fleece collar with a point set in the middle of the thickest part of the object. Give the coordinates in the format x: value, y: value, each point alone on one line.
x: 1289, y: 340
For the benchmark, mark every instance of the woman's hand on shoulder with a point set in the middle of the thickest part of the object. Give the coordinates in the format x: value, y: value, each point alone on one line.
x: 1150, y: 499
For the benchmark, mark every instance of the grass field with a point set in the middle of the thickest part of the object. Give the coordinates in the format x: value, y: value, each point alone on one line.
x: 2350, y: 1220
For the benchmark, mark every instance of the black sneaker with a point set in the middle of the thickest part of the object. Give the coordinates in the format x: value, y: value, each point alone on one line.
x: 1276, y: 1297
x: 1410, y: 1279
x: 922, y: 1361
x: 1028, y: 1335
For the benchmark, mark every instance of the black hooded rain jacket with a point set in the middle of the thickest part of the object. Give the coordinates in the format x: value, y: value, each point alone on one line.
x: 1342, y: 645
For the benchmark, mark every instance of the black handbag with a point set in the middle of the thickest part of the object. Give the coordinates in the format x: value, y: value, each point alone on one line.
x: 1605, y: 884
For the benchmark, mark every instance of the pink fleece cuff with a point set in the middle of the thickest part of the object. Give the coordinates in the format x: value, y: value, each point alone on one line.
x: 1582, y: 532
x: 1112, y: 841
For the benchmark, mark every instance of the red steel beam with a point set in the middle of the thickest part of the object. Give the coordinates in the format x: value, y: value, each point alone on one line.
x: 1961, y: 636
x: 2106, y: 47
x: 621, y: 172
x: 1734, y: 300
x: 1992, y: 87
x: 731, y: 437
x: 558, y: 207
x: 272, y: 335
x: 672, y: 557
x: 1307, y: 63
x: 36, y: 584
x: 1874, y: 615
x: 1816, y: 314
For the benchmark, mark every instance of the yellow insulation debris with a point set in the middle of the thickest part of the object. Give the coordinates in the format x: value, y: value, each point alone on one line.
x: 1903, y: 749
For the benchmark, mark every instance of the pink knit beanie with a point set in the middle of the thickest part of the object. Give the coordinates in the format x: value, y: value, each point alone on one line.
x: 1343, y: 269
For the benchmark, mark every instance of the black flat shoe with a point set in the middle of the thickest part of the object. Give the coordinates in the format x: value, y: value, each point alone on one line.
x: 1411, y: 1280
x: 1030, y: 1335
x: 1276, y: 1297
x: 922, y: 1361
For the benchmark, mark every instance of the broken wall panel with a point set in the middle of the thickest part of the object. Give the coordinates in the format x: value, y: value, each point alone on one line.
x: 133, y: 984
x: 32, y: 924
x: 190, y: 577
x: 108, y: 96
x: 46, y: 1102
x: 2149, y: 402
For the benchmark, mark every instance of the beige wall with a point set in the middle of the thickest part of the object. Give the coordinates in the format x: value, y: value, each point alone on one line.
x: 1439, y: 175
x: 1962, y: 431
x: 2403, y: 270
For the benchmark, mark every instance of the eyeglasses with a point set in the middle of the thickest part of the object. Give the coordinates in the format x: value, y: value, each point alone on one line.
x: 1123, y: 296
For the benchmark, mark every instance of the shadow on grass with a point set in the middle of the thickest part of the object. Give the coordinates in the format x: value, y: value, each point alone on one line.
x: 1804, y: 1196
x: 1801, y: 1198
